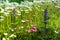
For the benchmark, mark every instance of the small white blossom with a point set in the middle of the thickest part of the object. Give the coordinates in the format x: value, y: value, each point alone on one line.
x: 22, y: 26
x: 5, y: 33
x: 56, y: 32
x: 23, y: 21
x: 3, y: 39
x: 12, y: 29
x: 12, y: 35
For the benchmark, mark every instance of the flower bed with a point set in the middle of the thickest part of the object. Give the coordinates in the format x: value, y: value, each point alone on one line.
x: 25, y: 21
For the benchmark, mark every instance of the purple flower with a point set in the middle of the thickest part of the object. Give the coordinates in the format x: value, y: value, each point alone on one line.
x: 34, y: 29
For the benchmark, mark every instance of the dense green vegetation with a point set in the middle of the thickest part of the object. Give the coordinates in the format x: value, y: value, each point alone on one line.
x: 25, y: 21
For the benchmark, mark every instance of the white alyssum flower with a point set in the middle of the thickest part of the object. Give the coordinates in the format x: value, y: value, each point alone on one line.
x: 22, y: 26
x: 12, y: 35
x: 5, y: 33
x: 56, y: 31
x: 12, y: 29
x: 23, y: 21
x: 3, y: 38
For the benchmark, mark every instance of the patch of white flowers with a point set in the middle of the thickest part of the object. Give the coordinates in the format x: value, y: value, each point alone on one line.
x: 7, y: 7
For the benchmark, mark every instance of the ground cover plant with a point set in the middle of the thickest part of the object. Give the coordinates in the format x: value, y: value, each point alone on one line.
x: 25, y: 21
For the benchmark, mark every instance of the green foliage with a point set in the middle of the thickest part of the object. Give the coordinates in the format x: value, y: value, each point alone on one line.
x: 17, y: 19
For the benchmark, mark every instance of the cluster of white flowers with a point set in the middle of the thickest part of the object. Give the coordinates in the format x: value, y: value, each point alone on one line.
x: 7, y: 7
